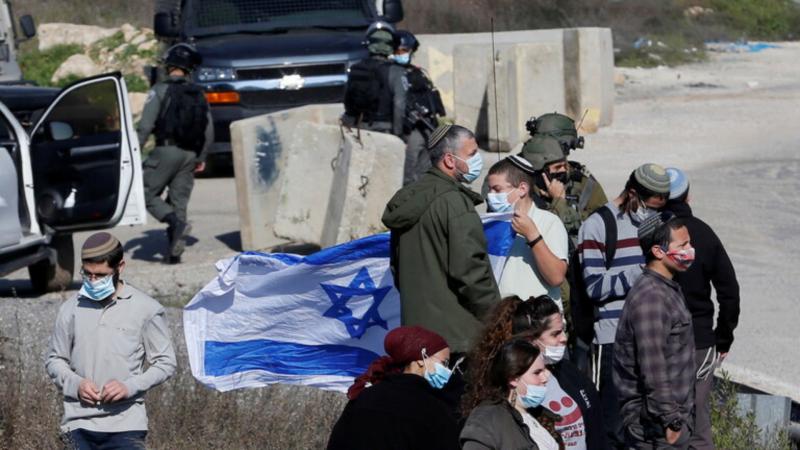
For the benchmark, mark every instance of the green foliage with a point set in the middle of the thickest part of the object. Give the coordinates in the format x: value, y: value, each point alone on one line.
x: 669, y: 50
x: 731, y: 430
x: 759, y: 19
x: 136, y: 83
x: 39, y: 66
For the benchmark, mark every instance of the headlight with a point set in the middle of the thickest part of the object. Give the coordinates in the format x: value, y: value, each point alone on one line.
x: 216, y: 74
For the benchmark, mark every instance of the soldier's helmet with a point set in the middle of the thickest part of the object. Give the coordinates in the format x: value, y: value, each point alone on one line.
x: 380, y: 38
x: 406, y: 39
x: 541, y: 150
x: 183, y: 56
x: 558, y: 126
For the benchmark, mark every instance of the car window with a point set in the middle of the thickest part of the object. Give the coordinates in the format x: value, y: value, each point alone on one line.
x: 90, y: 110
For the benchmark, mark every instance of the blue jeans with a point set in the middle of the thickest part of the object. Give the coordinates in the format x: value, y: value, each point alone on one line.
x: 81, y: 439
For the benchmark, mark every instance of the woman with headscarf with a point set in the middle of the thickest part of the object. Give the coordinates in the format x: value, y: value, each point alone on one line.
x: 570, y: 394
x: 394, y: 405
x: 508, y: 413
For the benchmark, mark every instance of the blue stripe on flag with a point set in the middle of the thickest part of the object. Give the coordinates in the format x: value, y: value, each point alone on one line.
x: 285, y: 358
x: 499, y: 237
x: 375, y: 246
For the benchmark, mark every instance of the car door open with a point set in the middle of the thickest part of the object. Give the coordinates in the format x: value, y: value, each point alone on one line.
x: 85, y: 156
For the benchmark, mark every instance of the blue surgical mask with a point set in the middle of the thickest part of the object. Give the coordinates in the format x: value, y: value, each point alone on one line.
x: 534, y: 395
x: 498, y: 201
x: 439, y: 377
x: 98, y: 290
x: 403, y: 59
x: 475, y: 165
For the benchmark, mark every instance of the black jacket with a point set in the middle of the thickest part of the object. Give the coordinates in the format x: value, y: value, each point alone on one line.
x: 580, y: 388
x: 399, y: 413
x: 711, y: 266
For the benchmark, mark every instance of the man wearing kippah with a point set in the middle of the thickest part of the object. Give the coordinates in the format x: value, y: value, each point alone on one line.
x: 712, y: 266
x: 654, y: 369
x: 439, y: 256
x: 102, y: 338
x: 611, y: 260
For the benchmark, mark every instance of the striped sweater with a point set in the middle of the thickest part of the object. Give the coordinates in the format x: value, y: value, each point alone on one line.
x: 608, y: 288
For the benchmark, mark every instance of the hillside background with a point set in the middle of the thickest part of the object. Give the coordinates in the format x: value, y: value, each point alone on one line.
x: 692, y: 21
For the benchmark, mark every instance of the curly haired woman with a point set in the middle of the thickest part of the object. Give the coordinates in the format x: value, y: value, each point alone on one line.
x: 509, y: 414
x: 570, y: 394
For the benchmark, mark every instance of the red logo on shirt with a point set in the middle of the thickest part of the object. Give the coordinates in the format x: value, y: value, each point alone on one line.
x: 570, y: 414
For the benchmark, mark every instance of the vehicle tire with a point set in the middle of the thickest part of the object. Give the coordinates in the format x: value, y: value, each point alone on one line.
x: 47, y: 277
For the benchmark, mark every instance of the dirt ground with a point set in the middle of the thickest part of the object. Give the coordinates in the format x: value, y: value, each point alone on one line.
x: 730, y: 123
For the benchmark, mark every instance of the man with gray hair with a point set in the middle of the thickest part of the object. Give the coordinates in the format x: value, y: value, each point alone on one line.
x: 438, y: 248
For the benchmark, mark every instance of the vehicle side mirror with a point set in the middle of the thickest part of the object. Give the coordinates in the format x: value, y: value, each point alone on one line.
x: 393, y: 10
x: 61, y: 131
x: 28, y: 26
x: 165, y: 25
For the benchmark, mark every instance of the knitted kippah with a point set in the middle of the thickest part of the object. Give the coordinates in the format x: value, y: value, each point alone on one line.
x: 99, y: 244
x: 652, y: 177
x: 438, y: 134
x: 678, y: 182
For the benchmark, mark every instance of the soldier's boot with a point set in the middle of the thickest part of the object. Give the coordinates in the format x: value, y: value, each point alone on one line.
x: 176, y: 236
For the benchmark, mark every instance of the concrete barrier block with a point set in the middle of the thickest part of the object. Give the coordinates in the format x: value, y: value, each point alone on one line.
x: 260, y: 147
x: 772, y: 413
x: 589, y: 75
x: 306, y: 185
x: 368, y: 172
x: 436, y: 55
x: 530, y: 82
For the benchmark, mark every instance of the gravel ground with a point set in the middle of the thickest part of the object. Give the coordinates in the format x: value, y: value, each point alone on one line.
x: 730, y: 123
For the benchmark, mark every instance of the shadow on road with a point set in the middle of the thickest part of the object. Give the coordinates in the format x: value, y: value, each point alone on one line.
x: 152, y: 246
x: 22, y: 288
x: 233, y: 240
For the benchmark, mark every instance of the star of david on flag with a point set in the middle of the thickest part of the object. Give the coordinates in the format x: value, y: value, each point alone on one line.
x: 316, y: 320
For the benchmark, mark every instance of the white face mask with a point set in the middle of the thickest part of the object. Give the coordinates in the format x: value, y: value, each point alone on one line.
x: 642, y: 212
x: 554, y: 354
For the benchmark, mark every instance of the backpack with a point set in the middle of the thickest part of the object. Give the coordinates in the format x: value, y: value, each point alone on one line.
x: 184, y: 116
x: 366, y: 89
x: 584, y: 310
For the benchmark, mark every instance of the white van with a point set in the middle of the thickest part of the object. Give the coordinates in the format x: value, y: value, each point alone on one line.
x: 77, y: 167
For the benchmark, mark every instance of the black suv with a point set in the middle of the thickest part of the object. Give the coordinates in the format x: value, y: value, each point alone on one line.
x: 261, y: 56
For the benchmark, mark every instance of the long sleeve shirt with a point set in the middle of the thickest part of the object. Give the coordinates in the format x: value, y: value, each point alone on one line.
x: 109, y: 341
x: 608, y: 287
x: 654, y: 367
x: 711, y: 266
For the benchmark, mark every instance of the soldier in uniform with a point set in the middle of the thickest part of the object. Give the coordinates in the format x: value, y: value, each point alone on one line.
x: 177, y: 113
x: 568, y: 188
x: 423, y: 108
x: 375, y: 94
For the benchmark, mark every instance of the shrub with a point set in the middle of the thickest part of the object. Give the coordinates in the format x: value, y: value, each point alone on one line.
x: 731, y: 430
x: 39, y: 66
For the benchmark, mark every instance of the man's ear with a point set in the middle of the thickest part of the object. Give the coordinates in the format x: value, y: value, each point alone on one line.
x: 524, y: 189
x: 121, y: 266
x: 658, y: 252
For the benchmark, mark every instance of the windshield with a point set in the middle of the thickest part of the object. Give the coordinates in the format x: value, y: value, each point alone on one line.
x: 204, y: 17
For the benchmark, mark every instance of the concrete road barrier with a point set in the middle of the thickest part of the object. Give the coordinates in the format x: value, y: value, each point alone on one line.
x: 260, y: 147
x: 589, y: 76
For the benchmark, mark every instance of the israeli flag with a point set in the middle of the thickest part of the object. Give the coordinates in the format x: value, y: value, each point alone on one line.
x: 316, y: 320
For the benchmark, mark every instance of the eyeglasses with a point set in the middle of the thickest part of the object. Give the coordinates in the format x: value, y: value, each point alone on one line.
x: 94, y: 276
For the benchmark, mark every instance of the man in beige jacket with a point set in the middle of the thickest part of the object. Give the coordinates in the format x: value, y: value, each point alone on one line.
x: 97, y: 352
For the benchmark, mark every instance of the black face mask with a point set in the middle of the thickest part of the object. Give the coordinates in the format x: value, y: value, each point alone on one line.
x: 560, y: 176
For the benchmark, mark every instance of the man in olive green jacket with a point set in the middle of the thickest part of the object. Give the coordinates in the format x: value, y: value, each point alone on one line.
x: 439, y: 258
